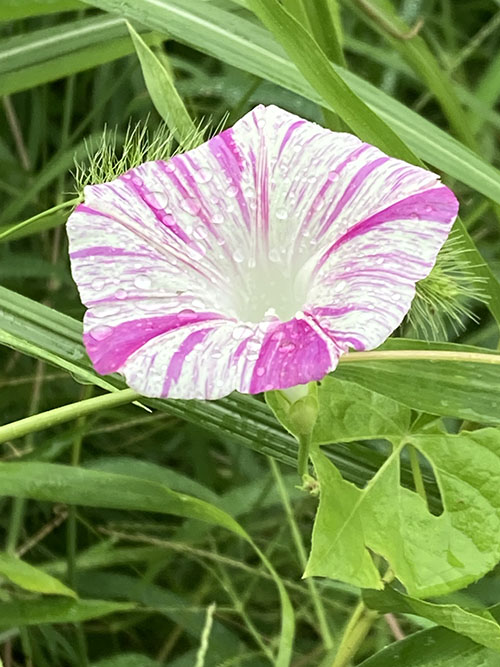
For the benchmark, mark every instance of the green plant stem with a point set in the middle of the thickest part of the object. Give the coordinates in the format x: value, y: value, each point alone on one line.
x: 303, y: 454
x: 417, y: 473
x: 65, y: 413
x: 25, y: 223
x: 15, y: 524
x: 324, y: 629
x: 420, y: 355
x: 354, y: 635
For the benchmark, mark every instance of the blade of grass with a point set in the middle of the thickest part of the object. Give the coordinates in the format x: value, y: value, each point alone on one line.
x: 384, y: 19
x: 163, y: 93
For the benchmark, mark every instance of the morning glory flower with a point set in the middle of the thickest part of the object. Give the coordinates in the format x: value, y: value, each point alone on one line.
x: 254, y: 261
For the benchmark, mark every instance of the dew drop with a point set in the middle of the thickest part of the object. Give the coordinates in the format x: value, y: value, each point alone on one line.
x: 105, y: 311
x: 282, y: 214
x: 238, y: 256
x: 190, y: 205
x: 97, y: 284
x: 201, y: 232
x: 216, y: 355
x: 185, y: 314
x: 333, y: 176
x: 170, y: 167
x: 287, y: 347
x: 260, y: 371
x: 274, y: 255
x: 156, y: 199
x: 120, y: 294
x: 101, y: 332
x: 319, y: 203
x: 217, y: 218
x: 142, y: 282
x: 340, y: 286
x: 202, y: 175
x: 232, y: 191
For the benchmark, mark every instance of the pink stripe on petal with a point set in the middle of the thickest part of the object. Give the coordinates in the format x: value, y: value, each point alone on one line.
x: 110, y: 347
x: 439, y: 204
x: 176, y: 364
x: 292, y: 353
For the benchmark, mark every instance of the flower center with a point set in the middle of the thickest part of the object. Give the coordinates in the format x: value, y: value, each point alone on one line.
x: 270, y: 290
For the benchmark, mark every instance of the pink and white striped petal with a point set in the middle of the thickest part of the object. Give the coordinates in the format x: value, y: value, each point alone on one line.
x: 253, y: 261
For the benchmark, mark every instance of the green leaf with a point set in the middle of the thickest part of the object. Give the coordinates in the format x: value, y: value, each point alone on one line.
x: 31, y: 578
x: 163, y: 93
x: 77, y: 486
x: 446, y: 388
x: 431, y: 555
x: 419, y: 56
x: 480, y: 626
x: 20, y: 9
x: 436, y: 647
x: 47, y: 54
x: 19, y: 613
x: 338, y: 549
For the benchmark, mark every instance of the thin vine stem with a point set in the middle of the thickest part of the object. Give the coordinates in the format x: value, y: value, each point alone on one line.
x: 65, y: 413
x: 324, y: 629
x: 420, y: 355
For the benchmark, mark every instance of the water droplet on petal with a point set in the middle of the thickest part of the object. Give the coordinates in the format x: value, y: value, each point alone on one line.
x: 170, y: 166
x: 97, y: 283
x: 201, y: 232
x: 260, y: 371
x: 142, y: 282
x: 282, y: 214
x: 333, y: 176
x: 340, y: 286
x: 202, y: 175
x: 101, y: 332
x: 274, y: 255
x: 217, y: 218
x: 287, y: 347
x: 232, y: 191
x: 156, y: 199
x: 105, y: 311
x: 216, y: 355
x: 190, y: 205
x: 238, y: 256
x: 319, y: 203
x: 185, y: 314
x: 120, y: 294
